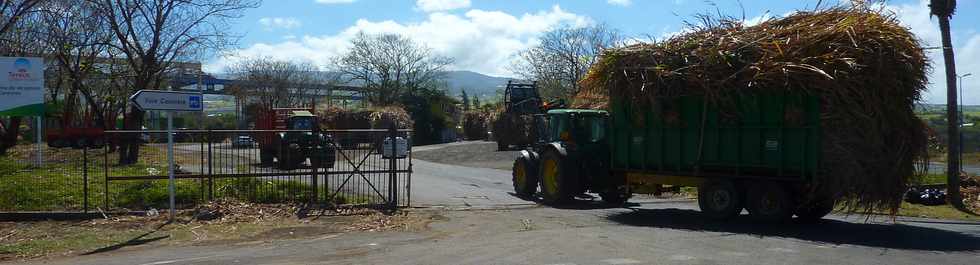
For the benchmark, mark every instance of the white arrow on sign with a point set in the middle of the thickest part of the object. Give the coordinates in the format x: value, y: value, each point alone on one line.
x: 168, y: 100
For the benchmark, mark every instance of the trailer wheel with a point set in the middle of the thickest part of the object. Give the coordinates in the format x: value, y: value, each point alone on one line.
x: 770, y: 202
x: 814, y: 211
x: 525, y: 177
x: 720, y: 200
x: 556, y: 183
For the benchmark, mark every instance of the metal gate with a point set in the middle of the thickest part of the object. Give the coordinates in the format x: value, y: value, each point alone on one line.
x: 214, y: 164
x: 232, y: 164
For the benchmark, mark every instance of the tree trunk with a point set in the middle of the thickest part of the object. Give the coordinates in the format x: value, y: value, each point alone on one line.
x: 129, y: 150
x: 9, y: 137
x: 952, y: 116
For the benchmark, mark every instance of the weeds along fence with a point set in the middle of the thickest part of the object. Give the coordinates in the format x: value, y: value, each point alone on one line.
x: 341, y: 167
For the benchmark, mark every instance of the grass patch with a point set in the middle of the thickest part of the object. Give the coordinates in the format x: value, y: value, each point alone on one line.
x: 938, y: 212
x: 61, y: 187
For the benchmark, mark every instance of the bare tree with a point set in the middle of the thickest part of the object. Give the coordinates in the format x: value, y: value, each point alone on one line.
x: 78, y: 37
x: 563, y: 57
x: 13, y: 10
x: 153, y: 34
x: 390, y: 66
x: 276, y: 83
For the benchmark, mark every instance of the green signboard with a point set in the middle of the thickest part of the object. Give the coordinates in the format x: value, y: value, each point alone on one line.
x: 21, y: 86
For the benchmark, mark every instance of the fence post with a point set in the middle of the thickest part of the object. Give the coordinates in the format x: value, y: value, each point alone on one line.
x: 85, y: 178
x: 315, y: 163
x: 105, y: 171
x: 211, y: 167
x: 392, y: 165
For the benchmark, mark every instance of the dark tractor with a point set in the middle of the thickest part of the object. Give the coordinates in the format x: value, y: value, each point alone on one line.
x: 569, y: 157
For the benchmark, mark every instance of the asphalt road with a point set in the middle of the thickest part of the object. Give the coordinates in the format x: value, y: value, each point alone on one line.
x: 479, y: 222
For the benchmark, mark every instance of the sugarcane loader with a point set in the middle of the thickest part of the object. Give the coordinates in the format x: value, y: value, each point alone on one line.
x: 514, y: 126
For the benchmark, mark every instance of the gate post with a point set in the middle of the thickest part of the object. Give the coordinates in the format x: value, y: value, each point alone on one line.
x: 392, y: 165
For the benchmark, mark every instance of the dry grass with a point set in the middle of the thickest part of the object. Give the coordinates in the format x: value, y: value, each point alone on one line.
x: 866, y: 69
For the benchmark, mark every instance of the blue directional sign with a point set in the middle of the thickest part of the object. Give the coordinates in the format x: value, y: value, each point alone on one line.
x: 168, y: 100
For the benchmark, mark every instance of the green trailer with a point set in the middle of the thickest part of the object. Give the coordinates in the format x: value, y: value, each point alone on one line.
x: 759, y: 152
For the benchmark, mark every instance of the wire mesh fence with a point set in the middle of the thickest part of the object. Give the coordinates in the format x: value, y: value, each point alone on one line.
x: 328, y: 168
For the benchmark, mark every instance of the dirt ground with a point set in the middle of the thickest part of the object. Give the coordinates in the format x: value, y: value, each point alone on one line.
x: 221, y: 223
x: 479, y: 154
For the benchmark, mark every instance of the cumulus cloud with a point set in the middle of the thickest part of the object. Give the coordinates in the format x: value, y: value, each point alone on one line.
x: 271, y: 23
x: 441, y: 5
x: 481, y: 41
x: 620, y: 2
x: 966, y: 44
x: 329, y: 2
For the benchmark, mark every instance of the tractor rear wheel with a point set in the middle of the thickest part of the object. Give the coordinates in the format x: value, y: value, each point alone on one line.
x: 525, y: 177
x: 557, y: 182
x: 720, y: 199
x: 266, y: 156
x: 770, y: 202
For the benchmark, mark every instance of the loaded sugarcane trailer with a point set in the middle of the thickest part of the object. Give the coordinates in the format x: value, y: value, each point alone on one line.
x: 763, y: 161
x: 787, y: 117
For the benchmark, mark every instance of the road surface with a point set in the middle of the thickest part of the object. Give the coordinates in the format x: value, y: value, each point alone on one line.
x: 489, y: 226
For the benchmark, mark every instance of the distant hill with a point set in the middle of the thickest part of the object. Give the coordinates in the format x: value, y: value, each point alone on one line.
x: 475, y: 83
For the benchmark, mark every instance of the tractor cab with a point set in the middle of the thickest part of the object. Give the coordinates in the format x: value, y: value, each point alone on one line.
x: 301, y: 120
x: 579, y: 128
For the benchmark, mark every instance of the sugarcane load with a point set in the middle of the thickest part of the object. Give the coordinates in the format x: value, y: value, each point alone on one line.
x: 791, y: 116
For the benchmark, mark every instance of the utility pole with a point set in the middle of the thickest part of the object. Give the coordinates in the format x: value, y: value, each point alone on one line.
x: 961, y: 120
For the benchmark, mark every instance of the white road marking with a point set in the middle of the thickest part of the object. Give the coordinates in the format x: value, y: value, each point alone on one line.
x: 179, y: 260
x: 621, y: 261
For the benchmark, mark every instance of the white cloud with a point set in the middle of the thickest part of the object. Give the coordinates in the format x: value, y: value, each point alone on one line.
x: 271, y: 23
x: 329, y: 2
x: 441, y: 5
x: 481, y: 41
x: 620, y: 2
x: 966, y: 44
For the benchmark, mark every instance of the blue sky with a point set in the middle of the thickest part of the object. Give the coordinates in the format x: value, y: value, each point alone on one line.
x: 483, y: 35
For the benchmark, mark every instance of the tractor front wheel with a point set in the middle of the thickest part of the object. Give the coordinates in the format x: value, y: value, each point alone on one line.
x: 525, y: 177
x: 557, y: 182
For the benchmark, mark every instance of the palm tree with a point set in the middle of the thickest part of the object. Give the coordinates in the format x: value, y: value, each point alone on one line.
x: 943, y: 10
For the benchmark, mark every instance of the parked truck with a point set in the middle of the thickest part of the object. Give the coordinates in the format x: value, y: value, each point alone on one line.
x: 760, y: 162
x: 288, y: 137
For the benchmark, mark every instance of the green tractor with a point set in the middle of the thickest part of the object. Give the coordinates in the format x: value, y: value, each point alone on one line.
x: 569, y: 157
x: 297, y: 143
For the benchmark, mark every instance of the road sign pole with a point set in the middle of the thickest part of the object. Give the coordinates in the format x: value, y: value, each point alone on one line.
x: 170, y: 161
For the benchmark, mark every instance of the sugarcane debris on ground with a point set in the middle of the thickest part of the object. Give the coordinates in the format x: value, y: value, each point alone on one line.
x: 219, y: 222
x: 867, y: 70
